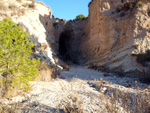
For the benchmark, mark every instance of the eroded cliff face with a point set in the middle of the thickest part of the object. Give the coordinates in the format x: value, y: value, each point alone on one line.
x: 111, y: 36
x: 52, y: 37
x: 113, y: 33
x: 37, y: 20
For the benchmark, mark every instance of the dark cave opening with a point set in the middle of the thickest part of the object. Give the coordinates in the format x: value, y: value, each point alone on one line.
x: 64, y: 46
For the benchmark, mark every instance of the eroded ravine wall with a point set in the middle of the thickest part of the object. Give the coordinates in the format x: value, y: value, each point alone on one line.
x: 37, y: 21
x: 112, y: 37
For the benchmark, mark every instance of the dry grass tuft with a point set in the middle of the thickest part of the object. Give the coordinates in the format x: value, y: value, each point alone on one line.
x: 3, y: 6
x: 19, y: 1
x: 22, y: 12
x: 14, y: 13
x: 8, y: 108
x: 64, y: 65
x: 46, y: 72
x: 74, y: 106
x: 4, y: 15
x: 13, y: 7
x: 31, y: 6
x: 136, y: 103
x: 25, y: 5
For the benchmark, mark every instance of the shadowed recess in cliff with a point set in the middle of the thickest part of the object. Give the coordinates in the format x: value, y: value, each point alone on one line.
x: 64, y: 45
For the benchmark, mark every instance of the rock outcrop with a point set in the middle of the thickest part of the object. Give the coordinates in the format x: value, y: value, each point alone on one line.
x: 114, y: 31
x: 45, y: 30
x: 37, y: 20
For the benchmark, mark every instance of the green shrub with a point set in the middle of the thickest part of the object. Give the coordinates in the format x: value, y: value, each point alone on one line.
x: 140, y: 3
x: 46, y: 72
x: 16, y: 69
x: 80, y: 17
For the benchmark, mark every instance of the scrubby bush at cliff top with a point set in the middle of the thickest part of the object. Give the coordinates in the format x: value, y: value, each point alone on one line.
x: 80, y: 17
x: 16, y: 69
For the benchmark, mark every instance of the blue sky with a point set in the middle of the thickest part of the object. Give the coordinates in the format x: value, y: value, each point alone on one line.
x: 67, y: 9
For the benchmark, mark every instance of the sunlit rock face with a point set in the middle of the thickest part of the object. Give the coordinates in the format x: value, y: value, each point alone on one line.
x: 113, y: 33
x: 37, y: 21
x: 52, y: 37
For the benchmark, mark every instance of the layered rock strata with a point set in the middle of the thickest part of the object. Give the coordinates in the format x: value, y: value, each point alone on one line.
x: 113, y: 33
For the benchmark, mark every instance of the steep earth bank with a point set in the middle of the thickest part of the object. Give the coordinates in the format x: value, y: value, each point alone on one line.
x: 114, y: 32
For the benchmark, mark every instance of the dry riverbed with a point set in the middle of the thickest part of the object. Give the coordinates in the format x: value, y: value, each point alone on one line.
x: 84, y: 90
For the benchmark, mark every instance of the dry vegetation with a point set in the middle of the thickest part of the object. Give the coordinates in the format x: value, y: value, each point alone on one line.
x: 74, y: 106
x: 15, y: 9
x: 128, y: 7
x: 19, y: 1
x: 137, y: 102
x: 114, y: 99
x: 3, y: 6
x: 32, y: 5
x: 25, y: 5
x: 46, y: 72
x: 8, y: 108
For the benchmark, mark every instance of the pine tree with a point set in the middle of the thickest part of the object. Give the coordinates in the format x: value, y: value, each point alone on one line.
x: 16, y: 68
x: 80, y: 17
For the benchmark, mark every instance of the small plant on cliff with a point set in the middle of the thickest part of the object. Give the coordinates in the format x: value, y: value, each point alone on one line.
x: 32, y: 5
x: 80, y: 17
x: 16, y: 69
x: 140, y: 3
x: 19, y: 0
